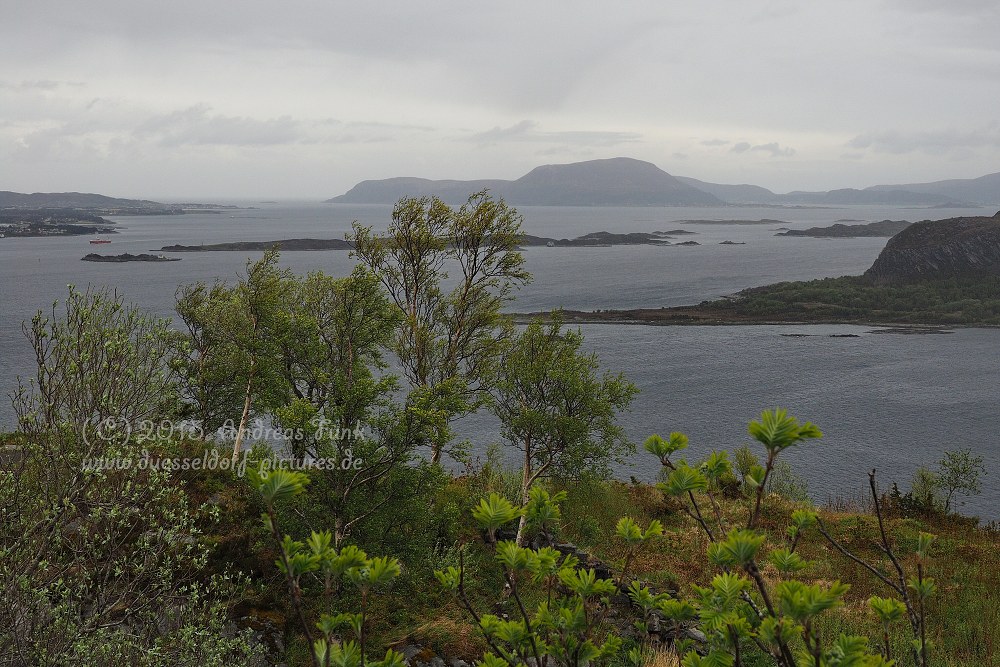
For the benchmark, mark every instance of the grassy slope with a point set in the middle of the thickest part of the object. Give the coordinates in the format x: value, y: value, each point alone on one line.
x: 964, y: 616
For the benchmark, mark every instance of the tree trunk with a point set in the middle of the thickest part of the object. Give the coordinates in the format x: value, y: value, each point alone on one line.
x: 525, y: 488
x: 246, y: 414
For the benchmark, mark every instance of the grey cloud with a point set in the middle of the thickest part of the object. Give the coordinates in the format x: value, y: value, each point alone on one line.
x: 38, y: 85
x: 774, y: 149
x: 518, y: 131
x: 565, y: 153
x: 715, y: 142
x: 977, y: 7
x: 775, y: 10
x: 195, y: 125
x: 527, y: 131
x: 386, y: 126
x: 477, y: 48
x: 741, y: 147
x: 936, y: 142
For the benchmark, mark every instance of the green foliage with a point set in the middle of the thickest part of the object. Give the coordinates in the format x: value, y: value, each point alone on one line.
x: 744, y: 460
x: 318, y: 555
x: 783, y: 617
x: 493, y: 512
x: 959, y: 472
x: 108, y: 566
x: 738, y: 549
x: 554, y: 407
x: 105, y: 564
x: 277, y: 485
x: 662, y: 449
x: 716, y: 465
x: 777, y: 431
x: 684, y: 479
x: 632, y: 534
x: 888, y: 610
x: 923, y: 496
x: 102, y: 368
x: 565, y: 628
x: 801, y: 601
x: 542, y: 510
x: 784, y: 482
x: 448, y: 338
x: 786, y: 561
x: 233, y: 339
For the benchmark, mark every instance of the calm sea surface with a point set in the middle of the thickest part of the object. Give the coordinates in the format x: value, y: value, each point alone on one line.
x: 884, y: 401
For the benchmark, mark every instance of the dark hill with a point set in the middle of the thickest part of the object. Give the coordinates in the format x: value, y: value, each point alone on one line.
x: 613, y: 182
x: 931, y: 249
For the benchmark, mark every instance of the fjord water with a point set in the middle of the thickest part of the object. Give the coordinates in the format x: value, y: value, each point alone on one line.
x: 884, y: 401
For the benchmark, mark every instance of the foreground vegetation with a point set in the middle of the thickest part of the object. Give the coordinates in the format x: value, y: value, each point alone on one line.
x: 146, y: 523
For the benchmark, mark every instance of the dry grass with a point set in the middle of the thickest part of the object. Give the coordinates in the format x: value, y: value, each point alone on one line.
x: 661, y: 658
x: 447, y: 635
x: 963, y: 618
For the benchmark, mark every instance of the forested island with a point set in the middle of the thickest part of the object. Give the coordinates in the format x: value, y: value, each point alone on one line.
x: 128, y: 257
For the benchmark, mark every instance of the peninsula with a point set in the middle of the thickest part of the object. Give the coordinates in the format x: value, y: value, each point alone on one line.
x: 943, y: 272
x: 95, y: 204
x: 883, y: 228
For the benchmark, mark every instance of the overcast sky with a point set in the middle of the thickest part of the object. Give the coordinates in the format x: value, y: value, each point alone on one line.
x: 303, y: 98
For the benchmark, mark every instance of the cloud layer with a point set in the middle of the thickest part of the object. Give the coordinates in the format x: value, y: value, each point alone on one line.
x: 308, y: 97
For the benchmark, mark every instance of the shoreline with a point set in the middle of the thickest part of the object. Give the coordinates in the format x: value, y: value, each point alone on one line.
x: 695, y: 316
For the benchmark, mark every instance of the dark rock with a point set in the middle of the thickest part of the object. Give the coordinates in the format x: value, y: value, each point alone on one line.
x: 935, y: 249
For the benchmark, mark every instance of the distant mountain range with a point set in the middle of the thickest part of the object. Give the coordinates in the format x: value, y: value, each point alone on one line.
x: 75, y: 200
x: 99, y: 204
x: 628, y: 182
x: 613, y: 182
